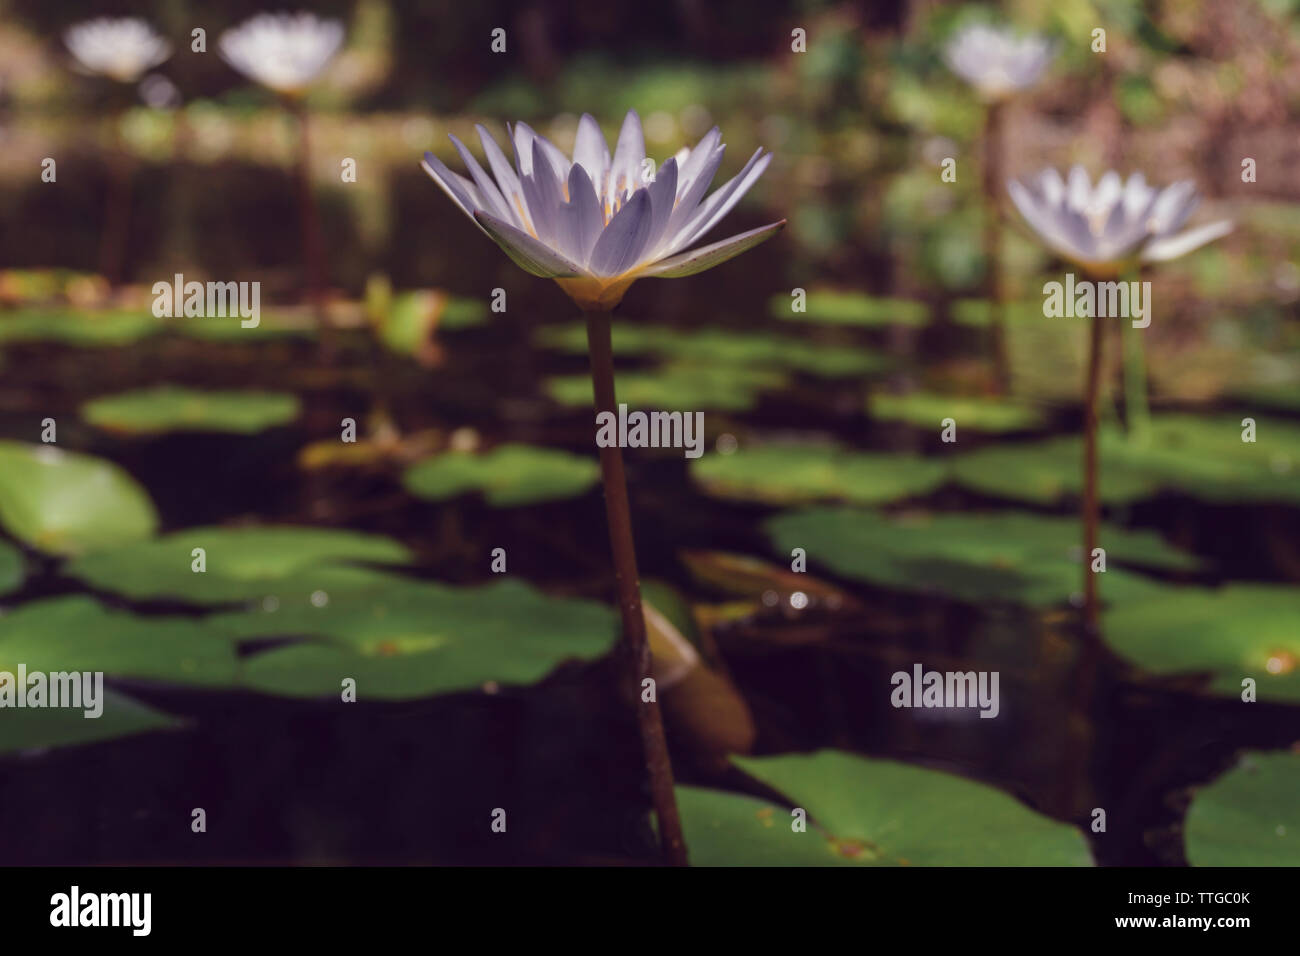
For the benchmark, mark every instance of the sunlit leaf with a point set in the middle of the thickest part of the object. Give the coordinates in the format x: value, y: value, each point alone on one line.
x: 508, y: 475
x: 786, y: 474
x: 170, y: 408
x: 1249, y: 816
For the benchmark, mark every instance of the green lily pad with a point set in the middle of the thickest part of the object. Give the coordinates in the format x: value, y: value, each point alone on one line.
x: 979, y: 312
x: 508, y: 475
x: 720, y: 347
x: 38, y: 729
x: 241, y: 563
x: 1201, y: 457
x: 401, y: 638
x: 928, y: 410
x: 169, y: 408
x: 850, y: 308
x: 1249, y: 816
x: 77, y: 633
x: 462, y: 313
x: 866, y: 812
x: 995, y: 556
x: 230, y: 329
x: 11, y: 568
x: 79, y: 328
x: 675, y: 387
x: 1229, y: 633
x: 66, y: 503
x: 786, y: 474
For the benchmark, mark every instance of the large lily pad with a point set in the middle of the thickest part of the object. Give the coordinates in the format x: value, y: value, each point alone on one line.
x: 1249, y: 816
x: 929, y: 409
x: 721, y: 347
x: 508, y: 475
x: 677, y: 387
x: 67, y: 503
x: 865, y: 812
x: 850, y: 308
x: 1202, y: 457
x: 241, y: 563
x: 785, y: 474
x: 401, y: 638
x: 995, y: 556
x: 1228, y: 633
x: 37, y: 729
x: 11, y: 567
x: 79, y: 327
x: 77, y: 633
x: 170, y: 408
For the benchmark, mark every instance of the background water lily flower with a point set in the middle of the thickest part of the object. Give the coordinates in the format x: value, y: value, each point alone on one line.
x: 596, y: 223
x: 121, y: 49
x: 284, y: 52
x: 1106, y: 225
x: 997, y: 62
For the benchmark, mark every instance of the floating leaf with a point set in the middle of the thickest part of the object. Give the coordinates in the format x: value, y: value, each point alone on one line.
x: 67, y: 503
x: 11, y: 568
x: 675, y: 387
x: 850, y: 308
x: 1249, y: 816
x: 77, y: 633
x: 866, y: 812
x: 400, y: 638
x: 79, y: 327
x: 170, y: 408
x: 720, y: 347
x: 997, y: 556
x: 241, y: 563
x: 979, y: 312
x: 928, y: 410
x: 508, y: 475
x: 1229, y: 633
x: 1202, y: 457
x: 784, y: 474
x: 35, y: 729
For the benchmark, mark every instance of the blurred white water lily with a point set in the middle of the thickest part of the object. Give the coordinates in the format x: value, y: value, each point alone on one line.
x: 122, y: 49
x: 1104, y: 226
x: 598, y: 223
x: 997, y: 62
x: 284, y: 52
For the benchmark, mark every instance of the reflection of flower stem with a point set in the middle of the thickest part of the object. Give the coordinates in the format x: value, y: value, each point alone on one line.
x: 117, y: 204
x: 635, y: 647
x: 992, y: 242
x: 311, y: 240
x: 1137, y: 413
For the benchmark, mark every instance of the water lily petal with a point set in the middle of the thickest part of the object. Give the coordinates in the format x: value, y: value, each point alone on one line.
x: 507, y: 179
x: 663, y: 198
x: 625, y: 171
x: 688, y: 202
x: 529, y: 254
x: 459, y: 189
x: 493, y: 201
x: 706, y: 257
x: 542, y: 193
x: 1171, y: 247
x: 582, y: 220
x: 620, y: 246
x: 590, y: 150
x: 713, y: 209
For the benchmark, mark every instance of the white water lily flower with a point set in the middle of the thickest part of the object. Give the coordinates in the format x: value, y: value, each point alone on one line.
x: 598, y: 223
x: 997, y: 62
x: 1107, y: 225
x: 284, y: 52
x: 122, y: 49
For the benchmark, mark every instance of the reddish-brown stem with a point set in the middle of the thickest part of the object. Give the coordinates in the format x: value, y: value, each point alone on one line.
x: 312, y: 256
x: 635, y: 648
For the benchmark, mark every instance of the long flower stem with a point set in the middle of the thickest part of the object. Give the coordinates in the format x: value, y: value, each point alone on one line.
x: 117, y: 204
x: 1091, y: 501
x: 993, y: 243
x: 308, y: 215
x: 1137, y: 413
x: 635, y: 646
